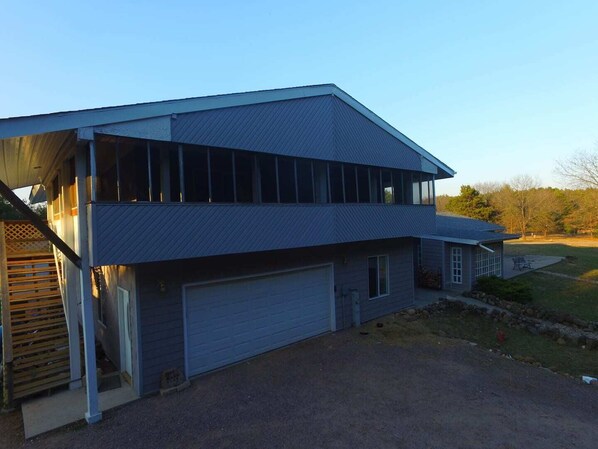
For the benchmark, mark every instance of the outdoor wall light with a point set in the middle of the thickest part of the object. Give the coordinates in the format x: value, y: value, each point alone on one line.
x: 162, y: 286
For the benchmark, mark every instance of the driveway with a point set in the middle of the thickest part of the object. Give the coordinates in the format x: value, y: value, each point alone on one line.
x: 348, y: 390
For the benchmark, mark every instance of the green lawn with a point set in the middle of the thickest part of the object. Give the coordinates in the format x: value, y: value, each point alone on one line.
x: 519, y: 343
x: 574, y: 297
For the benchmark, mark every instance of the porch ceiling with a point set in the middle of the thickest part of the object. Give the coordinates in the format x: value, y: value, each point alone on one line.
x: 28, y: 160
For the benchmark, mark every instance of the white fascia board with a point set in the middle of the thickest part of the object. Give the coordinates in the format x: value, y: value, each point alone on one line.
x: 59, y: 121
x: 449, y: 239
x: 390, y: 129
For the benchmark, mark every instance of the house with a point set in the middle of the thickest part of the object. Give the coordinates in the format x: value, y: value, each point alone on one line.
x: 460, y: 251
x: 196, y: 233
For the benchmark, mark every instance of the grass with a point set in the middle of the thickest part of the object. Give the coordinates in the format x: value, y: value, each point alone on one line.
x: 566, y: 295
x: 574, y: 297
x: 519, y: 343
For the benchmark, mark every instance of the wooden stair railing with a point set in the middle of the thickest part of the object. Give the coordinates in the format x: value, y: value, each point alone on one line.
x: 36, y: 349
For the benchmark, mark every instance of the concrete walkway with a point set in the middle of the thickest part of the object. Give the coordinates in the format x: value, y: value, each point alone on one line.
x: 43, y: 414
x: 537, y: 262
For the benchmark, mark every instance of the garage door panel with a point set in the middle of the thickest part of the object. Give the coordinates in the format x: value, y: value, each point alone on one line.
x: 228, y: 322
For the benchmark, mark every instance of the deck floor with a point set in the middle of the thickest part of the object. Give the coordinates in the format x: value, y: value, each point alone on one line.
x: 41, y: 415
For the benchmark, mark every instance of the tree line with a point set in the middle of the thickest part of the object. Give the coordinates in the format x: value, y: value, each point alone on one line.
x: 523, y: 207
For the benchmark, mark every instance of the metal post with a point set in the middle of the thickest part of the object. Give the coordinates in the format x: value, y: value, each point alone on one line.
x: 93, y: 413
x: 181, y: 174
x: 93, y: 175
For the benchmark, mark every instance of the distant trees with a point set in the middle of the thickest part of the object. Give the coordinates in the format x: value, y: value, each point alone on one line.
x: 7, y: 212
x: 471, y: 204
x: 580, y: 169
x: 522, y: 206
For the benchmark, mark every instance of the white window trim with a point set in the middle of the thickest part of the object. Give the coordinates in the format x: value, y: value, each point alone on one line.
x: 377, y: 256
x: 488, y: 264
x: 456, y: 251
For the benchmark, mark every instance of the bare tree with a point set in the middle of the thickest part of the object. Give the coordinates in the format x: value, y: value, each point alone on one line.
x: 580, y: 169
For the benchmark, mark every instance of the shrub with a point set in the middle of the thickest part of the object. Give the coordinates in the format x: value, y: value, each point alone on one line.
x: 504, y: 289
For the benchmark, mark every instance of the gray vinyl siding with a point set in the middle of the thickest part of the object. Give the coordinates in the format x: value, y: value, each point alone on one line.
x: 432, y: 255
x: 322, y: 127
x: 162, y: 312
x: 150, y: 232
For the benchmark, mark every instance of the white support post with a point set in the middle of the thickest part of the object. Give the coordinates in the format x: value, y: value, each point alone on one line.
x: 93, y: 413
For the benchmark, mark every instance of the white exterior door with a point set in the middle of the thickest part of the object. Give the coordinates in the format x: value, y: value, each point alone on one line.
x: 126, y: 359
x: 230, y: 321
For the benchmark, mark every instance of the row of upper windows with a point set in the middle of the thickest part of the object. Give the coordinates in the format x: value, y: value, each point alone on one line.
x: 133, y: 170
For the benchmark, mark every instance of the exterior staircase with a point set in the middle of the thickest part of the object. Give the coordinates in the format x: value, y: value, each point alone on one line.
x: 36, y: 349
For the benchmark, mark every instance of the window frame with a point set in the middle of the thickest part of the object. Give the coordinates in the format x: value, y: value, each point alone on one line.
x: 377, y: 257
x: 456, y: 251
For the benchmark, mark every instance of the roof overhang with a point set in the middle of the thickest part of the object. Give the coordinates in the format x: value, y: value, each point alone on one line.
x: 498, y: 237
x: 30, y: 146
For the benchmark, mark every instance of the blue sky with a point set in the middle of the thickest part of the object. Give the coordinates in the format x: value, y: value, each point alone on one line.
x: 493, y: 89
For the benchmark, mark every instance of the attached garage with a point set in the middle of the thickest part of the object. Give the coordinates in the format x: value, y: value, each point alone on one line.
x: 231, y: 320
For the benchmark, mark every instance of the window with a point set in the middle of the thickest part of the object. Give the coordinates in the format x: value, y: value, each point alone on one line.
x: 133, y: 164
x: 336, y: 183
x: 221, y: 175
x: 106, y: 171
x: 375, y: 194
x: 417, y: 198
x: 286, y: 180
x: 175, y: 175
x: 350, y: 183
x: 268, y: 181
x: 72, y: 180
x: 55, y: 200
x: 487, y: 263
x: 195, y: 174
x: 363, y: 184
x: 378, y: 276
x: 305, y: 181
x: 321, y: 182
x: 397, y: 181
x: 457, y: 265
x: 387, y: 187
x: 245, y: 177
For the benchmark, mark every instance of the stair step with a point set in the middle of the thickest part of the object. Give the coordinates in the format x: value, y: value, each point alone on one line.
x: 40, y: 335
x: 39, y: 324
x: 25, y: 279
x: 41, y: 385
x: 29, y: 271
x: 23, y: 363
x: 34, y: 286
x: 40, y: 346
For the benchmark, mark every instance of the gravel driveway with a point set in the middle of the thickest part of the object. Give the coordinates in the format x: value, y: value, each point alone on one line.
x: 350, y: 391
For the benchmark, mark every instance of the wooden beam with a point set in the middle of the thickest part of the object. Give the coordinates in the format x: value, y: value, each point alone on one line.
x: 39, y: 224
x: 6, y: 325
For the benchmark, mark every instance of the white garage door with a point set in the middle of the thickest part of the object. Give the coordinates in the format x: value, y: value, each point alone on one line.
x: 230, y: 321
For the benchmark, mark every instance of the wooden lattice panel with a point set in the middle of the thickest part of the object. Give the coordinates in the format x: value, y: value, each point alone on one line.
x: 21, y: 231
x: 24, y: 238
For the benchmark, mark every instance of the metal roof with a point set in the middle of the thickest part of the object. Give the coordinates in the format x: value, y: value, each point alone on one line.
x: 468, y: 231
x: 30, y: 146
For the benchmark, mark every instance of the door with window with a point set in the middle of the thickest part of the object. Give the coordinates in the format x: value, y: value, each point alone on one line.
x: 456, y: 265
